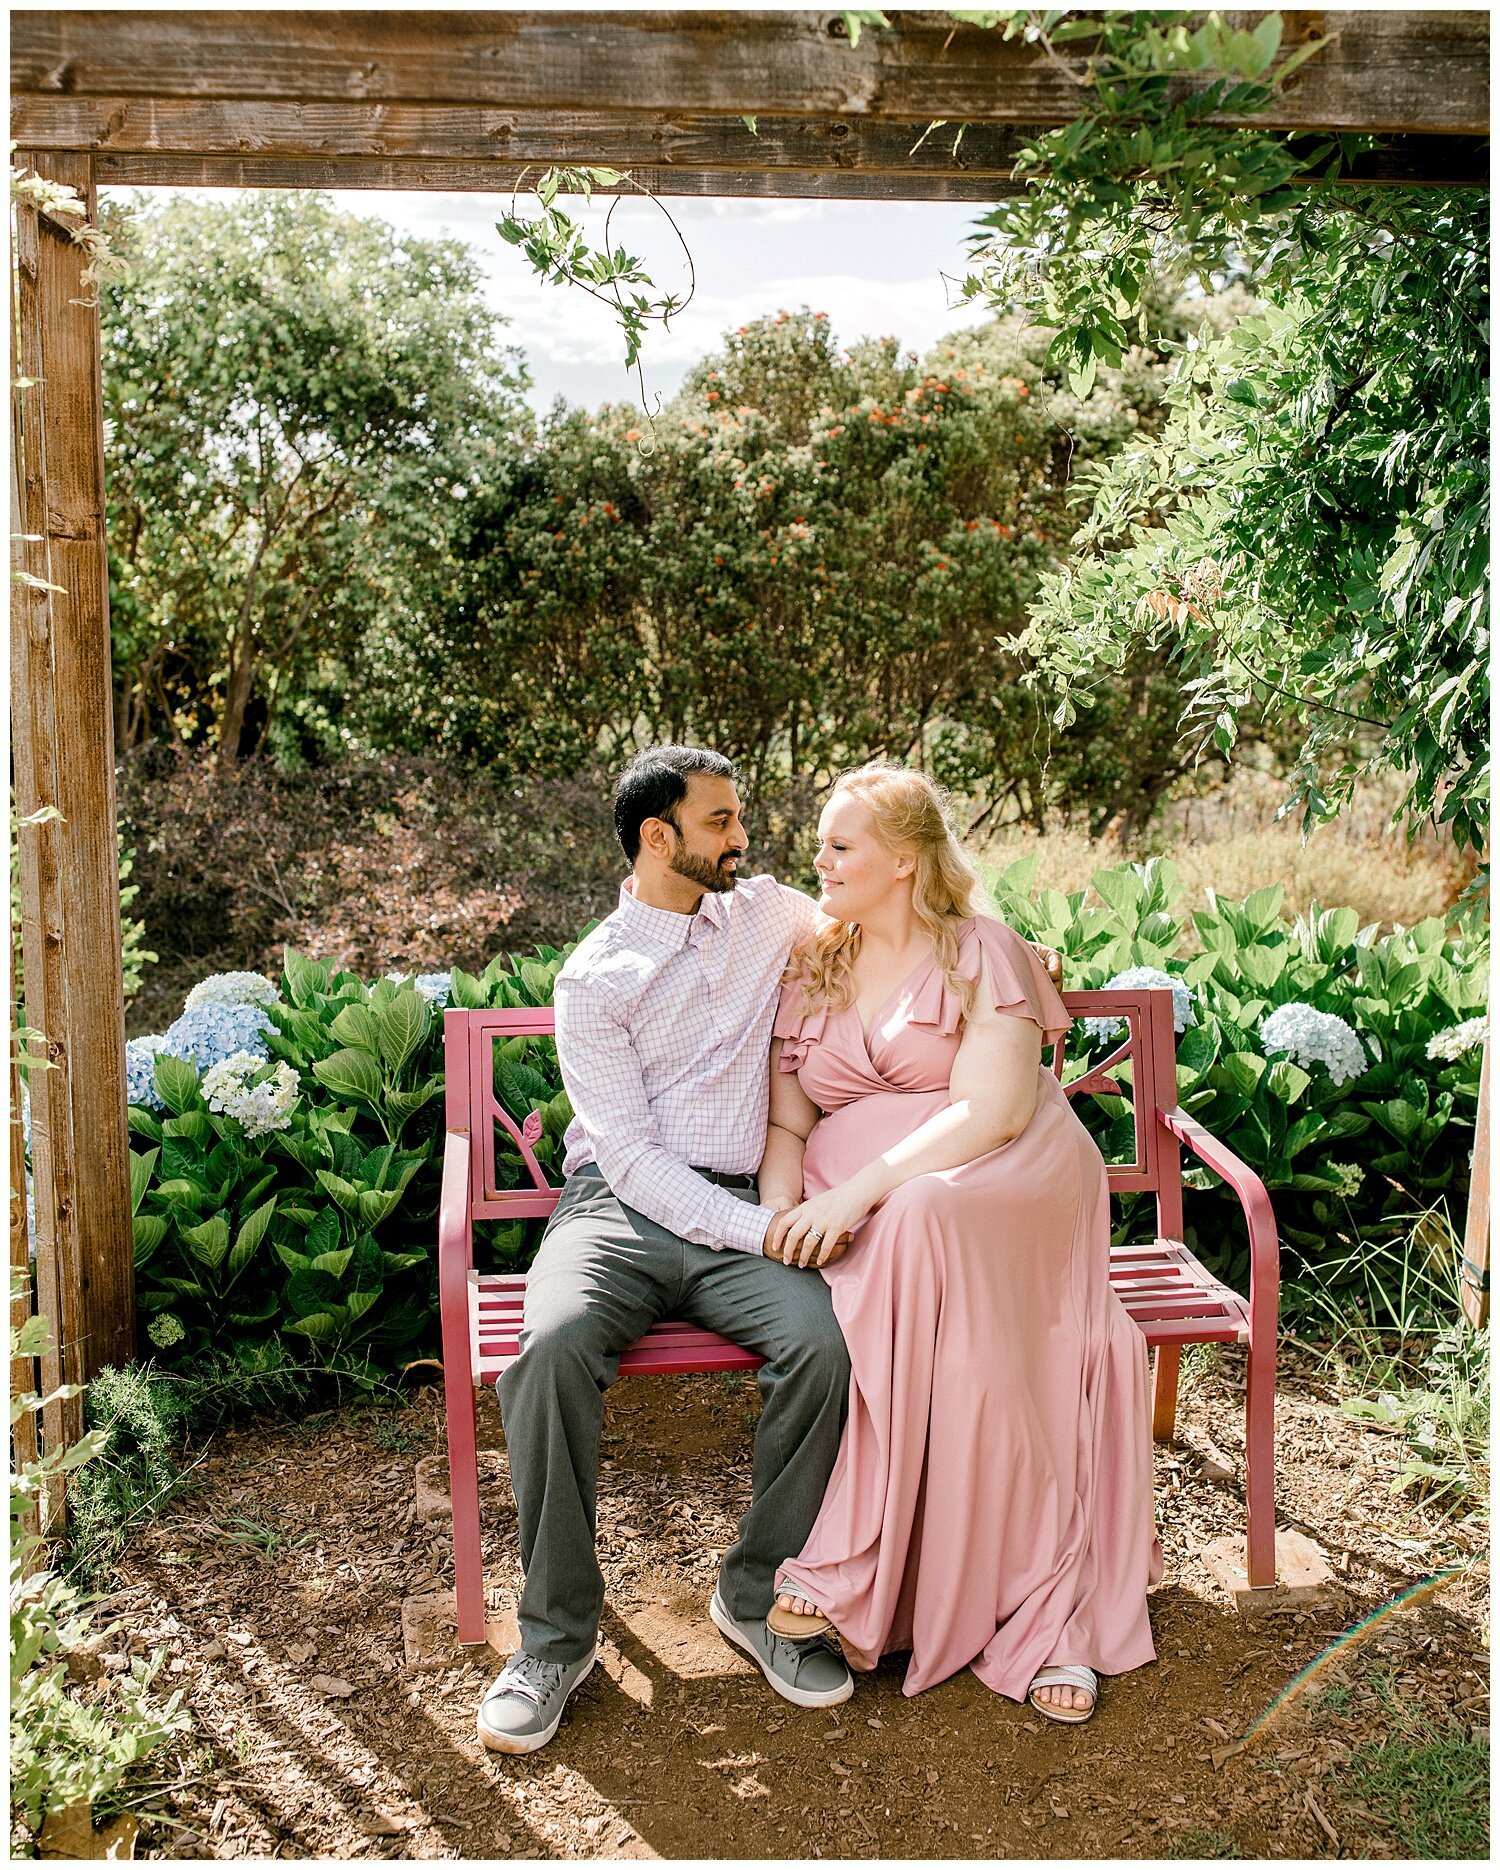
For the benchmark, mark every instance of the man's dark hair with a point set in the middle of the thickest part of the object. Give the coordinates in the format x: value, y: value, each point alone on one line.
x: 655, y: 783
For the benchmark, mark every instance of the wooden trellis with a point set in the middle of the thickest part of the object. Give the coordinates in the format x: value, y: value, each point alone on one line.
x: 464, y: 101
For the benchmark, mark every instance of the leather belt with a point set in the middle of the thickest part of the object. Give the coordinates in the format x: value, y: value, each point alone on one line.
x: 723, y: 1178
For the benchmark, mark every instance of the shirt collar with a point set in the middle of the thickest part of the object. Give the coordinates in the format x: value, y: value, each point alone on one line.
x: 666, y: 927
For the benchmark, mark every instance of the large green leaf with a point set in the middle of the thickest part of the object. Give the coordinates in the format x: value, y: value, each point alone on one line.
x: 344, y: 1193
x: 209, y: 1240
x: 148, y: 1231
x: 350, y: 1073
x: 356, y: 1026
x: 140, y: 1176
x: 403, y: 1026
x: 176, y: 1080
x: 252, y: 1232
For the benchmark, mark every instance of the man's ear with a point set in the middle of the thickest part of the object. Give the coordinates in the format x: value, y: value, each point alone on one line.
x: 656, y: 837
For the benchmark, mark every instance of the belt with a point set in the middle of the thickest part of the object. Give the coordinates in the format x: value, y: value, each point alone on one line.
x: 723, y: 1178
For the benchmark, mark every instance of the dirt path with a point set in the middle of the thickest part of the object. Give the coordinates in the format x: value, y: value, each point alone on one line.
x: 277, y: 1588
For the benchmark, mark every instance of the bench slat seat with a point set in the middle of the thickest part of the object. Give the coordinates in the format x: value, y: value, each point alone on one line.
x: 1165, y: 1289
x: 1162, y: 1287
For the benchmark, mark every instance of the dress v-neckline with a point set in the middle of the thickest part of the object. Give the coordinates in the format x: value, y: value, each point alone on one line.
x: 868, y: 1032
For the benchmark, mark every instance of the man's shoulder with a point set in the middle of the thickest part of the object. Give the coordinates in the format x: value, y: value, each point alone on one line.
x: 765, y: 896
x: 599, y: 955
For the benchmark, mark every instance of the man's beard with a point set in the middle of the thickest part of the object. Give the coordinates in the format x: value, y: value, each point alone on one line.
x: 713, y: 876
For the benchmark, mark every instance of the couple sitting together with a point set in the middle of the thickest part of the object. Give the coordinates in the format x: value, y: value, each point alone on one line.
x: 826, y: 1131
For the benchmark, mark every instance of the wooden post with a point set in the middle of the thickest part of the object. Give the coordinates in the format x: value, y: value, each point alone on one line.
x: 63, y: 753
x: 1474, y: 1274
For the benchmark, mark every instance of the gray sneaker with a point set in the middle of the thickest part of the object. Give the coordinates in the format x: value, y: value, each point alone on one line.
x: 811, y: 1673
x: 525, y: 1702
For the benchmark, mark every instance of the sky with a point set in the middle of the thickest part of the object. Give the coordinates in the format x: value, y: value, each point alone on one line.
x: 876, y: 267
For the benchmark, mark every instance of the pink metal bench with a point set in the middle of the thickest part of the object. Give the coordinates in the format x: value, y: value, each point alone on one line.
x: 1170, y: 1295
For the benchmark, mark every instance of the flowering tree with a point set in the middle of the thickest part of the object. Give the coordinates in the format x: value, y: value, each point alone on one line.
x: 297, y: 402
x: 814, y: 556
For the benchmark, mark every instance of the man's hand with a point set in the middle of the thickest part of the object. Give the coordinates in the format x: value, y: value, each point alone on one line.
x: 1050, y: 959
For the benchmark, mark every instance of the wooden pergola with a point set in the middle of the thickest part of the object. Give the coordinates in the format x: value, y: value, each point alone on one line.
x: 461, y: 101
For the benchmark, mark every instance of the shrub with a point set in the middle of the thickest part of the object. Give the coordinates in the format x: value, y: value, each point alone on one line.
x: 312, y: 1216
x: 1347, y: 1157
x: 67, y: 1746
x: 139, y: 1419
x: 310, y: 1213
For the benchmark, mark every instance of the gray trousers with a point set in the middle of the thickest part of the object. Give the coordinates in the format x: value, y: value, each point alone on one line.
x: 602, y: 1276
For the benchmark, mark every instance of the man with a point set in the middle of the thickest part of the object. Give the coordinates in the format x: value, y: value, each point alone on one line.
x: 663, y: 1034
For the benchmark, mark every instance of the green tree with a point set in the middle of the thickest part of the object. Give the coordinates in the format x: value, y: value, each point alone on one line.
x: 1307, y: 533
x: 298, y: 402
x: 814, y: 556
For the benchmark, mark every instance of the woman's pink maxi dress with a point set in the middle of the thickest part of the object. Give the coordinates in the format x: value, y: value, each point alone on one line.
x: 991, y: 1503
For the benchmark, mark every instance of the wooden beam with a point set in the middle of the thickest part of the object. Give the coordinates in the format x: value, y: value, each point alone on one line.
x: 64, y: 756
x: 234, y: 143
x: 501, y: 179
x: 1395, y: 71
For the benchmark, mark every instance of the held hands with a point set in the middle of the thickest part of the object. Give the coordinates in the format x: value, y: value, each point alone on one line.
x: 1050, y: 959
x: 818, y: 1232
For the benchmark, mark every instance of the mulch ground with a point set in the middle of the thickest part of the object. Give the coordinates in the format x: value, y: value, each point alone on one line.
x: 276, y: 1587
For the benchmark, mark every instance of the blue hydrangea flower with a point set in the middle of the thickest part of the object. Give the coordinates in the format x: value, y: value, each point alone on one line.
x: 1182, y: 1001
x: 140, y: 1071
x: 1313, y: 1038
x: 438, y: 988
x: 210, y: 1034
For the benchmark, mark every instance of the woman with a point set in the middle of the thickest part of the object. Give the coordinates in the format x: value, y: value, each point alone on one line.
x: 991, y: 1504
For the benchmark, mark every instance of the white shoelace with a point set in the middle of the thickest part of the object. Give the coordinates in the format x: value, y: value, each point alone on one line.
x: 529, y: 1677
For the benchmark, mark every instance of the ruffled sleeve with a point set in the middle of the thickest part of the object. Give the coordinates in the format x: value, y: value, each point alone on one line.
x: 796, y: 1030
x: 1017, y: 979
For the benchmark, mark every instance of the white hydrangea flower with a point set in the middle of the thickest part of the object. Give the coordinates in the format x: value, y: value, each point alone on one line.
x: 239, y: 989
x: 1182, y: 1001
x: 1349, y: 1176
x: 1313, y: 1038
x: 1451, y: 1044
x: 259, y: 1096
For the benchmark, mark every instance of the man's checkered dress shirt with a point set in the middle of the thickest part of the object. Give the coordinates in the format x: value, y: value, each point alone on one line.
x: 664, y: 1038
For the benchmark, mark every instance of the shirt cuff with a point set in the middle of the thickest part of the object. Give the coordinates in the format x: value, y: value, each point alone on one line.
x: 748, y: 1234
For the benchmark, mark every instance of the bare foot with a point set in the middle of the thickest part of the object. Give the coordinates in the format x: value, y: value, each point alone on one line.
x: 1060, y: 1695
x: 798, y: 1606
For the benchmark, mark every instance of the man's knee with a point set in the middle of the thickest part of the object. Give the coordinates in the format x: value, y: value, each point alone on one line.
x: 818, y: 1355
x: 557, y: 1345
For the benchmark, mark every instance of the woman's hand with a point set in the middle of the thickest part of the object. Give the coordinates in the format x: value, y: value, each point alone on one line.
x: 817, y: 1232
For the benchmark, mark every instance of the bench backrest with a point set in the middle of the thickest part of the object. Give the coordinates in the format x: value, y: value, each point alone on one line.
x: 1141, y: 1066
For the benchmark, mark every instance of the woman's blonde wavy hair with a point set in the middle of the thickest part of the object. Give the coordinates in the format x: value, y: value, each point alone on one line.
x: 911, y: 815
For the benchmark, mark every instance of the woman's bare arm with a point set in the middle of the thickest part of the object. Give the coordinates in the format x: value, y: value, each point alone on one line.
x: 793, y: 1114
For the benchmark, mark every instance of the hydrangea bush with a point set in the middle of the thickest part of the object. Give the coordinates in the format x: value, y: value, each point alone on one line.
x: 1343, y: 1065
x: 287, y: 1201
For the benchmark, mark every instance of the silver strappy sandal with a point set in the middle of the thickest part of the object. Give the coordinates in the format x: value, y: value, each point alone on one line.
x: 1065, y: 1675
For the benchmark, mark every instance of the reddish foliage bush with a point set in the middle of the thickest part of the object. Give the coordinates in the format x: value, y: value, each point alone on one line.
x: 390, y: 862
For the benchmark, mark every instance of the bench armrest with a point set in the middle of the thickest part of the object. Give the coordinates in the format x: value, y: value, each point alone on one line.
x: 1265, y: 1250
x: 455, y: 1240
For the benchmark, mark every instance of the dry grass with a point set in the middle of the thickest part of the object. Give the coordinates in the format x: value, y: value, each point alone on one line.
x: 1230, y: 843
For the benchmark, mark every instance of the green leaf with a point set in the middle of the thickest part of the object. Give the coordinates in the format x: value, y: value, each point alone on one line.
x: 351, y: 1074
x: 252, y: 1232
x: 208, y: 1241
x: 140, y: 1176
x: 403, y: 1026
x: 148, y: 1231
x: 176, y: 1080
x: 322, y: 1327
x: 335, y: 1264
x: 344, y: 1193
x: 356, y: 1026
